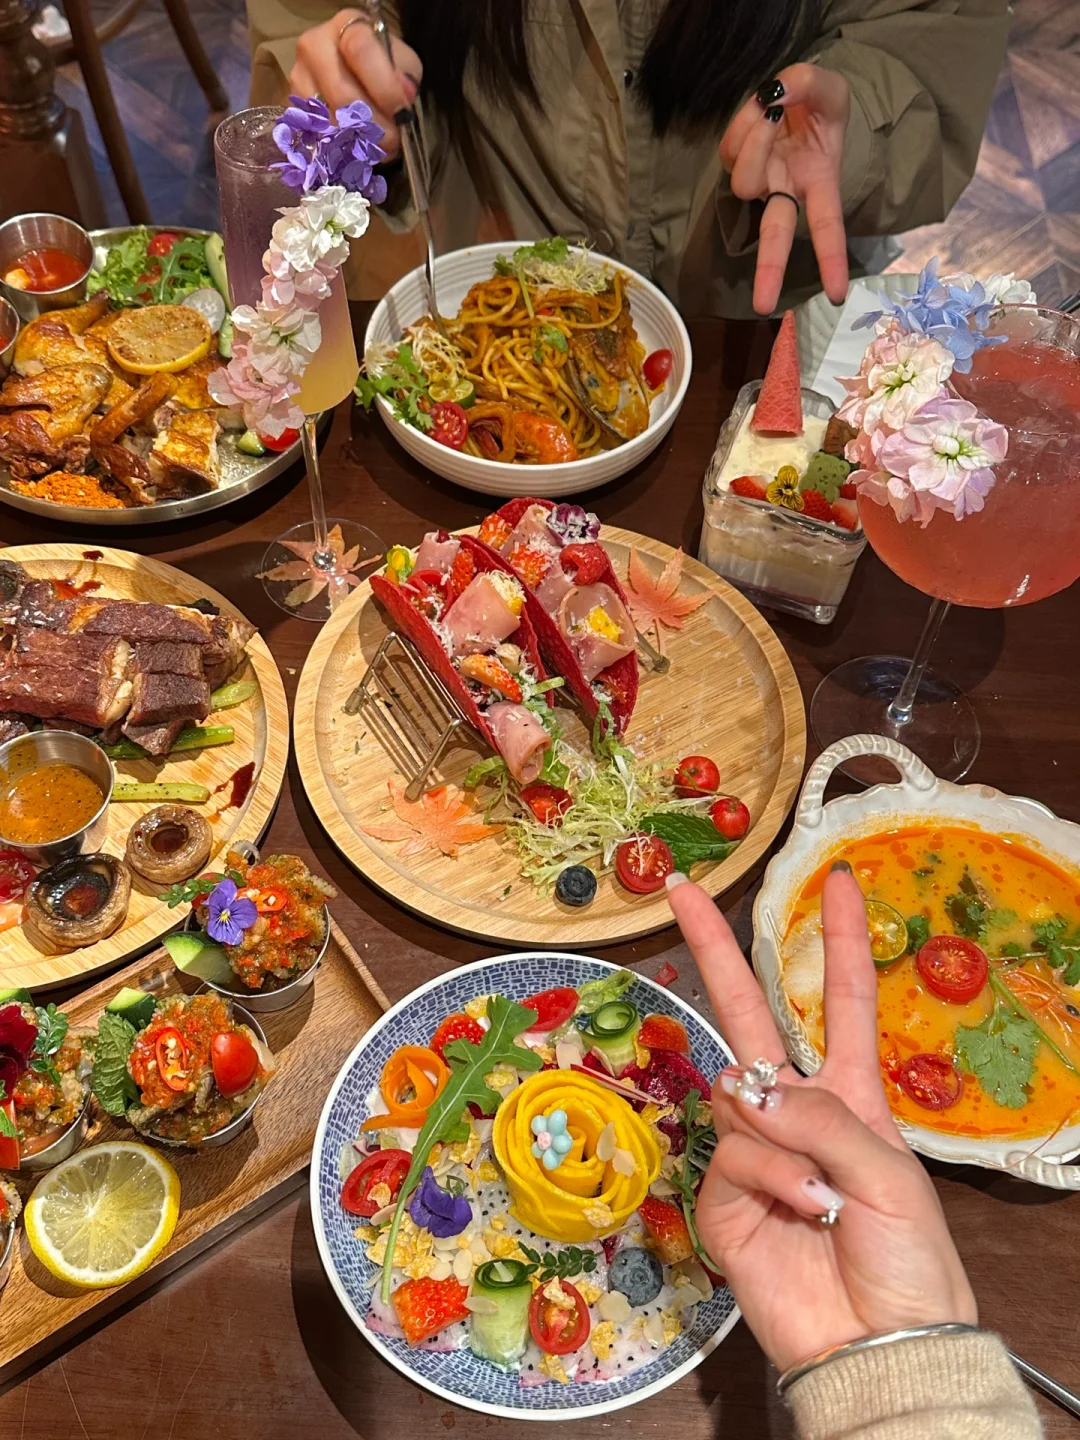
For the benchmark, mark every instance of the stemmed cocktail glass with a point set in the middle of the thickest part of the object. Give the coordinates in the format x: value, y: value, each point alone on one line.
x: 1023, y: 545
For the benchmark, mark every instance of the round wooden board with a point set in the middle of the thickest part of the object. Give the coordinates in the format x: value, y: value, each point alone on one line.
x: 730, y: 693
x: 262, y: 736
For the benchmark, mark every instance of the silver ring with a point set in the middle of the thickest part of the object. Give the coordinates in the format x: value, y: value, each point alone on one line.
x: 831, y: 1216
x: 757, y: 1082
x: 369, y: 15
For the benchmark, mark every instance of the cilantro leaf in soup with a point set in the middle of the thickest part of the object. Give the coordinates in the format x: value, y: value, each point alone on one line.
x: 918, y: 933
x: 1012, y: 951
x: 967, y: 910
x: 1000, y: 919
x: 1000, y: 1053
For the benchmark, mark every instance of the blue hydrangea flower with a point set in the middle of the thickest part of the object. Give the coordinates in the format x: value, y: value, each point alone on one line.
x: 953, y: 316
x: 322, y: 151
x: 553, y: 1141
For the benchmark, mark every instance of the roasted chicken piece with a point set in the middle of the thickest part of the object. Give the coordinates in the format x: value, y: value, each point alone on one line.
x: 187, y: 451
x: 121, y: 460
x: 71, y: 337
x: 69, y: 394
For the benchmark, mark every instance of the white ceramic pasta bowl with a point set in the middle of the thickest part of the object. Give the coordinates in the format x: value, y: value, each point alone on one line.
x: 658, y: 324
x: 919, y: 797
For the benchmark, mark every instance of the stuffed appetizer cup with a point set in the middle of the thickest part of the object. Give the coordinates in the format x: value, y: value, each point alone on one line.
x: 46, y: 1077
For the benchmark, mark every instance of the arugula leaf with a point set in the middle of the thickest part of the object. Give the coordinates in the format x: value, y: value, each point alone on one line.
x: 110, y: 1081
x: 1000, y: 1053
x: 967, y: 910
x: 133, y: 277
x: 700, y: 1144
x: 469, y: 1064
x: 691, y: 838
x: 595, y: 993
x: 918, y: 933
x: 52, y: 1028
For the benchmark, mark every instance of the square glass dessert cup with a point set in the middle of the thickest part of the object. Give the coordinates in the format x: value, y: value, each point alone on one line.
x: 776, y: 557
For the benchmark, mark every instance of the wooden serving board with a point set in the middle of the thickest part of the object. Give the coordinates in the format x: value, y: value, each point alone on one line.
x: 262, y: 737
x: 730, y: 693
x: 219, y: 1189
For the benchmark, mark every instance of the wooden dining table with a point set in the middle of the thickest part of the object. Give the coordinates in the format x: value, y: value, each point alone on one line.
x: 249, y: 1342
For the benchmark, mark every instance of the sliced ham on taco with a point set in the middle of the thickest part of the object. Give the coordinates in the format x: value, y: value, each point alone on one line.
x: 574, y: 599
x: 467, y: 617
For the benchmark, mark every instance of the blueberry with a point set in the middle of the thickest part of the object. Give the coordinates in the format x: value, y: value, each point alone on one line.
x: 576, y: 885
x: 637, y: 1274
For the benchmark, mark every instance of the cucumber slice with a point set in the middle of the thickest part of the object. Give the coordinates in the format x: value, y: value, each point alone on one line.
x: 225, y: 338
x: 250, y: 444
x: 215, y: 263
x: 197, y: 956
x: 134, y: 1006
x: 16, y: 997
x: 501, y: 1335
x: 613, y: 1030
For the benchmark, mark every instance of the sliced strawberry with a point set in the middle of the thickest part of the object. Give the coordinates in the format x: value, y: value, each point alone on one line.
x: 661, y: 1032
x: 846, y: 513
x: 531, y: 563
x: 750, y: 487
x: 666, y: 975
x: 848, y: 490
x: 494, y: 531
x: 424, y: 1307
x: 461, y: 572
x: 667, y: 1230
x: 587, y: 563
x: 816, y: 506
x: 493, y: 673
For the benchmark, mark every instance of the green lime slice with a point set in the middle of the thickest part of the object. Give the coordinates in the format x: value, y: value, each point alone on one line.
x: 888, y: 933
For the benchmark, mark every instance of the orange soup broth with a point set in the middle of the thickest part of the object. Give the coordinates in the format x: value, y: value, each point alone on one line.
x: 911, y: 1017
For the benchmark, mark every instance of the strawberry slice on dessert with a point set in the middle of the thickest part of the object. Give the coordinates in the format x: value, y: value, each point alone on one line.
x: 750, y: 487
x: 846, y: 513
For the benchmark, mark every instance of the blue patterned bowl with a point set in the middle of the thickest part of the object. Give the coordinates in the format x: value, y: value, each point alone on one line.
x: 459, y: 1375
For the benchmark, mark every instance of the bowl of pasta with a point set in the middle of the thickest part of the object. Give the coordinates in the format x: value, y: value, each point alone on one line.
x: 551, y: 360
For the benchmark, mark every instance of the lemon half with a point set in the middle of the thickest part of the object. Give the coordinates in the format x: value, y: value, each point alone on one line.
x: 158, y: 337
x: 102, y: 1217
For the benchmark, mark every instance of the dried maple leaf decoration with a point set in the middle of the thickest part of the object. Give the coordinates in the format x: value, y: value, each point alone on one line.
x: 314, y: 579
x: 442, y: 819
x: 655, y: 602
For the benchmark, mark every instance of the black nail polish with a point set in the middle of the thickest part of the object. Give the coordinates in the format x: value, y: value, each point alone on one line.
x: 769, y: 93
x: 774, y: 114
x: 841, y: 865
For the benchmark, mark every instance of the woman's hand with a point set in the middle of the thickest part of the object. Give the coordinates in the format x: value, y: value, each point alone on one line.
x: 354, y: 66
x: 793, y: 142
x: 889, y: 1261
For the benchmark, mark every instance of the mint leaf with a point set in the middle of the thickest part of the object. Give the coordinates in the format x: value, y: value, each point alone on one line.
x: 1000, y: 1053
x: 110, y: 1081
x: 690, y: 837
x: 918, y: 933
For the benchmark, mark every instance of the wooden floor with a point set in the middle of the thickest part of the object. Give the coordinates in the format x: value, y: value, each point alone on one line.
x: 1021, y: 211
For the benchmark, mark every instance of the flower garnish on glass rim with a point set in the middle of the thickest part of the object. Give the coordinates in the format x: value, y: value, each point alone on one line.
x: 229, y: 913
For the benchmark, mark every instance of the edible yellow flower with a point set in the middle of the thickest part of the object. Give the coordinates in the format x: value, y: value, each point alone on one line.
x: 584, y: 1197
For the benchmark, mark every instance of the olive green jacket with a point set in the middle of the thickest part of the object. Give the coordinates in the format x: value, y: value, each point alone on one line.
x: 921, y: 74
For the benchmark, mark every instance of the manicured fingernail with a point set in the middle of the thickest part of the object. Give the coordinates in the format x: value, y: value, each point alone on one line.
x: 821, y: 1195
x: 676, y: 878
x: 729, y: 1081
x: 770, y: 92
x: 842, y: 866
x: 774, y: 114
x: 747, y: 1089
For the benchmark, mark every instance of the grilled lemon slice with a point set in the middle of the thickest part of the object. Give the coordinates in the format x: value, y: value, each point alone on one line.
x: 102, y: 1217
x: 158, y: 337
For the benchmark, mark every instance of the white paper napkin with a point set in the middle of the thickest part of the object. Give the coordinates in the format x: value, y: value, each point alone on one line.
x: 846, y: 346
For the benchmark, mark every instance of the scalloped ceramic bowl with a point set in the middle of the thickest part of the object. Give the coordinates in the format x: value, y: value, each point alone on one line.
x: 658, y: 326
x: 919, y: 797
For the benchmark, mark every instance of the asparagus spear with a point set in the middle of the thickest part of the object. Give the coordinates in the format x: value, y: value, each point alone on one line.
x: 157, y: 794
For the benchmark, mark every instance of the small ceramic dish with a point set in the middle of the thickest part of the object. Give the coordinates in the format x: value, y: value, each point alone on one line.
x: 919, y: 798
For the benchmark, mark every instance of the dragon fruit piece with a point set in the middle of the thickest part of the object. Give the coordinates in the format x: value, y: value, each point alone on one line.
x: 675, y: 1130
x: 678, y: 1067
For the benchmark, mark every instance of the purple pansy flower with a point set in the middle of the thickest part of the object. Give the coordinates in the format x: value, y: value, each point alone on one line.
x: 435, y: 1209
x: 322, y: 151
x: 573, y: 524
x: 229, y: 914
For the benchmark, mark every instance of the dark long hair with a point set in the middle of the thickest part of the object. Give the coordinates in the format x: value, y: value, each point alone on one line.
x: 704, y: 56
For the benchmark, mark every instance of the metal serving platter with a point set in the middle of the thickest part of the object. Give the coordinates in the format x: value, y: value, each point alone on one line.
x: 240, y: 474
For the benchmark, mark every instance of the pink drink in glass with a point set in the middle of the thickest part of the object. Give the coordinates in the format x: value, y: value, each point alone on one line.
x: 1025, y: 543
x: 251, y: 193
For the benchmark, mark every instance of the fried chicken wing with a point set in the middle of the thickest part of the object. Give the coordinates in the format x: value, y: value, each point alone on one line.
x: 69, y: 394
x: 187, y: 451
x: 122, y: 461
x: 71, y: 337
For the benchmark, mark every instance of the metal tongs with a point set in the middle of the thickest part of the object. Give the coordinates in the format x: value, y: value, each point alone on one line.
x: 410, y: 121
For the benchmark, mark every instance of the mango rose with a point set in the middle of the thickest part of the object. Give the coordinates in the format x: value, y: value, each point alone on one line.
x: 584, y: 1197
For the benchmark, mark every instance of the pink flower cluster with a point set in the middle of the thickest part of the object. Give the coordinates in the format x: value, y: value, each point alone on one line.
x: 919, y: 447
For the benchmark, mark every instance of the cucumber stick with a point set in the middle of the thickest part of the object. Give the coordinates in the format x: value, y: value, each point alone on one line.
x: 501, y: 1334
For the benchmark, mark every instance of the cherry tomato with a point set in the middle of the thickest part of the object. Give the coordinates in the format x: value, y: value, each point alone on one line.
x: 449, y: 424
x: 456, y: 1027
x: 932, y: 1081
x: 643, y: 863
x: 558, y: 1331
x: 9, y: 1144
x: 162, y: 243
x: 549, y: 803
x: 16, y: 872
x: 277, y: 443
x: 657, y: 368
x: 731, y: 817
x: 953, y: 968
x: 235, y: 1061
x: 171, y: 1052
x: 696, y: 775
x: 553, y: 1007
x: 381, y: 1167
x: 427, y: 592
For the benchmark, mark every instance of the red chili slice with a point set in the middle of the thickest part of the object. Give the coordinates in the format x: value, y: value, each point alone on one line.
x: 381, y: 1167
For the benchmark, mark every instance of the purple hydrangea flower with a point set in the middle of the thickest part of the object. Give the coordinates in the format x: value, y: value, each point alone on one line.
x: 229, y: 914
x: 321, y: 151
x: 435, y: 1209
x: 953, y: 316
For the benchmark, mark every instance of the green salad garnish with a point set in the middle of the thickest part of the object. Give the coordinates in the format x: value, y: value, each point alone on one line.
x: 133, y: 277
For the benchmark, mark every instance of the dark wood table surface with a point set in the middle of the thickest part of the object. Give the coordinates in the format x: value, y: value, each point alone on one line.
x: 249, y: 1343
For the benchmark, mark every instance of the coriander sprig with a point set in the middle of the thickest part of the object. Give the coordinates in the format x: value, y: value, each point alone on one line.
x: 191, y: 890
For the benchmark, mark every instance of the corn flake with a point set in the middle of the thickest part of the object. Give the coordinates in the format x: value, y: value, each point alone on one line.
x: 599, y: 1215
x: 553, y: 1368
x: 486, y: 1170
x: 602, y: 1339
x: 589, y: 1292
x: 477, y: 1009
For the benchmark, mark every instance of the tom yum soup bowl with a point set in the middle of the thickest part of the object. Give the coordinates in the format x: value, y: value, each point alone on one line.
x: 899, y: 818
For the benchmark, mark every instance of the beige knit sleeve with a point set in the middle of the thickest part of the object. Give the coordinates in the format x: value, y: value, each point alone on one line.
x: 944, y: 1387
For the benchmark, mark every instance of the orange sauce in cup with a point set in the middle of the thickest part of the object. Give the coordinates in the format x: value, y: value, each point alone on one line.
x: 47, y: 803
x: 46, y: 268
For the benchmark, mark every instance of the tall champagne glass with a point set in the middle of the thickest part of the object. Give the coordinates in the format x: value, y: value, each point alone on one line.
x: 1021, y: 547
x: 313, y: 566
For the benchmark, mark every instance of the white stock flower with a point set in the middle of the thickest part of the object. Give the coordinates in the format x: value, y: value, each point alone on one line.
x: 314, y: 233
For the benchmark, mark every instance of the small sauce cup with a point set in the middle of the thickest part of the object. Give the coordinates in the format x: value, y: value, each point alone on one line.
x: 62, y: 1148
x: 41, y: 231
x: 9, y: 333
x: 59, y: 747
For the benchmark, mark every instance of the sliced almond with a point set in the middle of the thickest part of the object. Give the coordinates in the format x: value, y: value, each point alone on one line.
x: 480, y: 1251
x: 614, y: 1306
x: 480, y: 1304
x: 463, y: 1265
x: 698, y: 1276
x: 605, y: 1143
x: 654, y: 1331
x: 382, y: 1216
x: 441, y: 1270
x: 567, y: 1055
x: 623, y: 1163
x: 444, y: 1243
x: 685, y: 1296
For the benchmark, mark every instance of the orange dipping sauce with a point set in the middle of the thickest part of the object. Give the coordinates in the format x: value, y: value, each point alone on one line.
x: 917, y: 871
x: 46, y: 268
